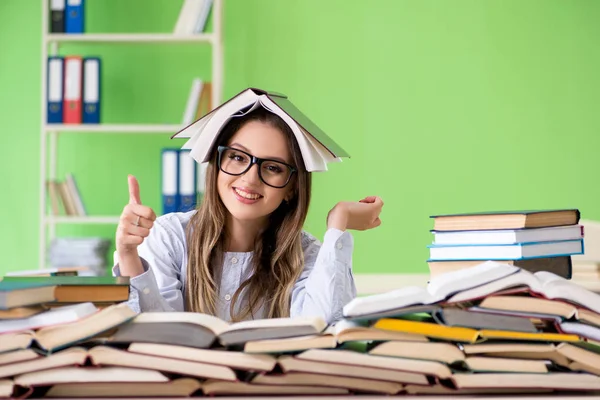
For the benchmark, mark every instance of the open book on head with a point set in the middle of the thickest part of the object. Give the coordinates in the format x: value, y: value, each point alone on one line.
x: 438, y: 289
x: 317, y: 148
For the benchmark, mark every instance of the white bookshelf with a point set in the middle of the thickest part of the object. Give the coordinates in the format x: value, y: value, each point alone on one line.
x: 114, y: 128
x: 67, y: 219
x: 51, y: 43
x: 130, y: 38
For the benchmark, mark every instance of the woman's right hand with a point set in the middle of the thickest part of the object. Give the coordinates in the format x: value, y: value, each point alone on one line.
x: 135, y: 222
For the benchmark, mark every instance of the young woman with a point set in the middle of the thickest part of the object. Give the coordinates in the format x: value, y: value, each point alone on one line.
x: 243, y: 254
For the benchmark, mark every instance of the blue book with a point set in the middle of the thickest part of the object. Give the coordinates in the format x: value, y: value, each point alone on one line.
x: 74, y: 16
x: 91, y: 90
x: 169, y: 177
x: 55, y: 90
x: 517, y: 251
x: 187, y: 182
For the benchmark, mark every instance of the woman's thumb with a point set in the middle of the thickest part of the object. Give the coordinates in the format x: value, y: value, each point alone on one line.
x: 134, y: 190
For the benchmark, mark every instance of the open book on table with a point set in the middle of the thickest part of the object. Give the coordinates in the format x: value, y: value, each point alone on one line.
x: 204, y: 331
x: 438, y: 289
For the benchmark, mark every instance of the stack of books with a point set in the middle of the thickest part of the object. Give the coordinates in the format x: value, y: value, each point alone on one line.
x: 492, y: 328
x: 89, y: 252
x: 541, y: 240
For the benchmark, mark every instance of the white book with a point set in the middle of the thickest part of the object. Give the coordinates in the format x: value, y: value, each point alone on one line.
x: 505, y: 251
x: 509, y: 236
x: 186, y: 22
x: 316, y: 147
x: 192, y: 102
x: 202, y: 18
x: 54, y: 316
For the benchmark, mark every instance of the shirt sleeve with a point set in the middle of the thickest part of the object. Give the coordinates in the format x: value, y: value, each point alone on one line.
x: 326, y: 284
x: 159, y: 288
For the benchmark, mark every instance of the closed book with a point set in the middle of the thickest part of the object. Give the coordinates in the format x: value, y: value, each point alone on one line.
x: 505, y: 220
x: 57, y: 16
x: 505, y: 251
x: 561, y: 266
x: 74, y: 20
x: 508, y: 236
x: 71, y: 289
x: 14, y: 293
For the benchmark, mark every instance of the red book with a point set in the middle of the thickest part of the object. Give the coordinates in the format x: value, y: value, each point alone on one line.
x: 72, y: 107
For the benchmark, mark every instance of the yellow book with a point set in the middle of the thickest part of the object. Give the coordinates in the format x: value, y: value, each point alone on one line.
x: 468, y: 335
x: 433, y: 330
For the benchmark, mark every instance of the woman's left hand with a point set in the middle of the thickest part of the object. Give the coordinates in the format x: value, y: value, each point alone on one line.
x: 359, y: 215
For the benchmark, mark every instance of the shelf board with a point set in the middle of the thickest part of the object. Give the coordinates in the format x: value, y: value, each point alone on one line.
x: 114, y: 128
x: 129, y: 38
x: 69, y: 219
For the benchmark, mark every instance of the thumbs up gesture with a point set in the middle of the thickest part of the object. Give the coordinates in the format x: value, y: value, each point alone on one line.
x: 135, y: 222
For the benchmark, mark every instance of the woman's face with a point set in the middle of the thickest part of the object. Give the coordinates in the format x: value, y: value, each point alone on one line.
x: 246, y: 196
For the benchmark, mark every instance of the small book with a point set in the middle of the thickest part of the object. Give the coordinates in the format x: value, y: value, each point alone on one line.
x: 528, y: 351
x: 210, y: 330
x: 318, y: 149
x: 440, y: 288
x: 505, y: 220
x: 82, y: 374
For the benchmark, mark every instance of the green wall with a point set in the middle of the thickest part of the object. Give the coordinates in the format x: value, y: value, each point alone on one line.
x: 445, y: 106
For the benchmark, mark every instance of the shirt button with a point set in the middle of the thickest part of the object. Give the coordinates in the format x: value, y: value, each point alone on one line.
x: 146, y: 290
x: 234, y: 260
x: 227, y: 297
x: 339, y: 245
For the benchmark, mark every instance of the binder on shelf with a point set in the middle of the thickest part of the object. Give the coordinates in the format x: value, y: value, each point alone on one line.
x: 74, y: 16
x: 203, y: 16
x: 187, y: 182
x: 57, y: 16
x: 55, y: 90
x: 91, y: 90
x: 169, y: 164
x: 72, y: 91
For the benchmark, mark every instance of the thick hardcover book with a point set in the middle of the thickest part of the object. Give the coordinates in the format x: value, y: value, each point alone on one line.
x: 505, y: 219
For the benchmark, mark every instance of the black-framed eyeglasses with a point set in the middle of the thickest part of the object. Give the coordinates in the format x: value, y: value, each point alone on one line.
x: 273, y: 173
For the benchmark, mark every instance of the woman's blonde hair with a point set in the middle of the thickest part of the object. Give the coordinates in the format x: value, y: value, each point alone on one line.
x: 278, y: 258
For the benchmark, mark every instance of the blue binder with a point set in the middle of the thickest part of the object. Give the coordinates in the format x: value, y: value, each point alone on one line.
x: 169, y: 178
x: 55, y: 90
x: 74, y: 16
x: 187, y: 182
x: 91, y: 90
